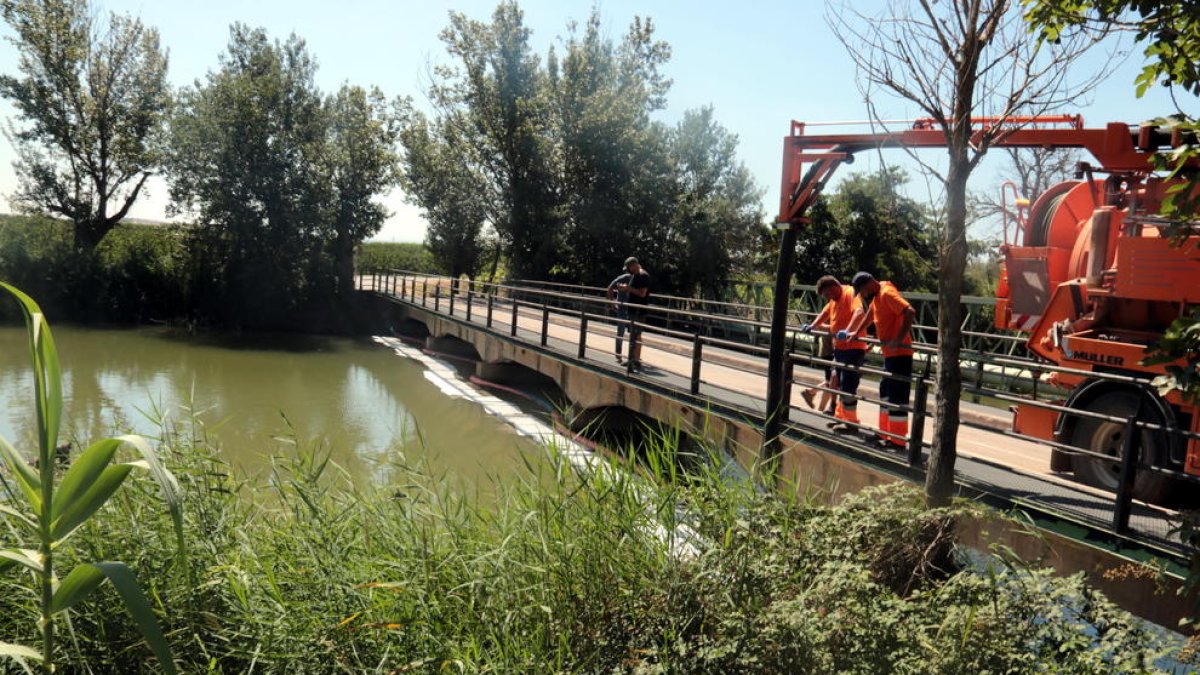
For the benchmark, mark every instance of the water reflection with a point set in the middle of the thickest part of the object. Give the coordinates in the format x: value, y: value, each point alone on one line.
x: 368, y: 406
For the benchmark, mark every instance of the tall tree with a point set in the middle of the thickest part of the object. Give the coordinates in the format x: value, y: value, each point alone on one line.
x: 955, y: 61
x: 361, y: 162
x: 436, y: 178
x: 246, y: 163
x: 93, y: 97
x: 718, y: 215
x: 617, y: 185
x: 867, y: 224
x: 497, y: 90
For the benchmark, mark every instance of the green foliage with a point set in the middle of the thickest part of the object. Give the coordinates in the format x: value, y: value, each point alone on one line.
x: 360, y: 162
x: 94, y: 97
x: 377, y: 256
x: 563, y: 160
x: 1179, y: 343
x: 560, y: 572
x: 1170, y: 34
x: 497, y: 91
x: 138, y: 273
x: 52, y: 509
x: 436, y: 178
x: 866, y: 224
x: 281, y: 180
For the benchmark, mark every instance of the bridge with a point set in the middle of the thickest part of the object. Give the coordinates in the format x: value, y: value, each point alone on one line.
x: 706, y: 371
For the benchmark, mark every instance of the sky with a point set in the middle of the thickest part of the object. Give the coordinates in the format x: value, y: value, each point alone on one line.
x: 759, y: 64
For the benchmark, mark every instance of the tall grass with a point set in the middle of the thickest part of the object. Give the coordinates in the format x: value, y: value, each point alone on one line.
x: 298, y: 570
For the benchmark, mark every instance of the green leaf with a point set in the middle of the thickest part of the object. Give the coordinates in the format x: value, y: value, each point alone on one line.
x: 20, y: 556
x: 89, y: 502
x: 79, y: 584
x: 166, y: 482
x: 17, y: 651
x: 86, y: 577
x: 30, y: 484
x: 47, y: 378
x: 9, y: 511
x: 83, y: 472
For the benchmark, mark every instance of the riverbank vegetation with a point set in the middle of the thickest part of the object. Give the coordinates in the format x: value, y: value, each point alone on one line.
x: 298, y: 570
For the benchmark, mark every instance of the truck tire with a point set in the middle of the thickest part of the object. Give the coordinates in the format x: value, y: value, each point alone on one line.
x: 1105, y: 437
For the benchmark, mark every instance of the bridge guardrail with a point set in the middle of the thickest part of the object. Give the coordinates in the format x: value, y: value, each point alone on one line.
x: 587, y: 311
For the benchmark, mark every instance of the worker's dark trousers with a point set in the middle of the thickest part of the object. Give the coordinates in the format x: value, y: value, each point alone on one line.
x: 893, y: 391
x: 847, y: 409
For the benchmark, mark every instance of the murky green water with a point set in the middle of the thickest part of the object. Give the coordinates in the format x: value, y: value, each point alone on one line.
x: 372, y: 408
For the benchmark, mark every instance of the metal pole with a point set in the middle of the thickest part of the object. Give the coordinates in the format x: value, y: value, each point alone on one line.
x: 469, y: 303
x: 773, y: 425
x: 545, y: 322
x: 583, y: 322
x: 1129, y: 448
x: 491, y: 301
x: 697, y: 355
x: 916, y: 438
x: 452, y: 294
x: 513, y: 327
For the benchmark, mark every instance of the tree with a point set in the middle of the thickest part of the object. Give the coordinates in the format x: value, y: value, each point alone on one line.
x: 955, y: 61
x: 617, y: 184
x: 497, y: 92
x: 436, y: 178
x: 246, y: 161
x: 866, y: 224
x: 718, y: 213
x: 361, y: 162
x: 94, y: 97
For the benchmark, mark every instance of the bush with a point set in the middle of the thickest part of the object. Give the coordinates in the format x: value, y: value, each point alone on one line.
x: 302, y: 572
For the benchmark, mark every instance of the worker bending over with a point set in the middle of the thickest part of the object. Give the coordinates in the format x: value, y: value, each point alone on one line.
x: 841, y: 310
x: 893, y: 318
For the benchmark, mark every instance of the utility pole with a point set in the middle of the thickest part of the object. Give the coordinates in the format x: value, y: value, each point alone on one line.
x: 777, y: 355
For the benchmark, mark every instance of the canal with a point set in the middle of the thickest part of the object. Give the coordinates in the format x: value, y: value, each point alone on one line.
x: 372, y: 409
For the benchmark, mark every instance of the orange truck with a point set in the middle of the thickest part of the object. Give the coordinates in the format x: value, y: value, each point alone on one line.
x: 1088, y: 271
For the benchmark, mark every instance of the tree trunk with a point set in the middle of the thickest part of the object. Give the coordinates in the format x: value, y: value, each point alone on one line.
x: 343, y: 265
x: 88, y: 234
x: 939, y: 479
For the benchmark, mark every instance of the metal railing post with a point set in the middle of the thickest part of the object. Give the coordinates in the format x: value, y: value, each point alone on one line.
x: 425, y: 292
x: 491, y: 301
x: 583, y: 323
x: 1129, y: 447
x: 513, y: 327
x: 697, y: 355
x: 978, y: 379
x: 545, y: 322
x: 437, y: 298
x: 916, y: 438
x: 785, y: 406
x: 632, y: 332
x: 452, y: 294
x: 469, y: 302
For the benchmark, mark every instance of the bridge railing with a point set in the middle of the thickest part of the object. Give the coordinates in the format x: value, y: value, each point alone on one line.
x: 501, y: 307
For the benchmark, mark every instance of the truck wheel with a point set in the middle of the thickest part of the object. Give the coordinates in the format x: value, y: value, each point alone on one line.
x: 1104, y: 437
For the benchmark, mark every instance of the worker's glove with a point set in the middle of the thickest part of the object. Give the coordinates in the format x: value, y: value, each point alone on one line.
x: 842, y: 335
x: 806, y: 328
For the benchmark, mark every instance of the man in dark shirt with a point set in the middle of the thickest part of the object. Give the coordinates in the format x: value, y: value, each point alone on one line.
x: 638, y: 289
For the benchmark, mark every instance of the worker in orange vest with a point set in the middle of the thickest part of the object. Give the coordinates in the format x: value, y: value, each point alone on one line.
x: 841, y: 310
x: 893, y: 317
